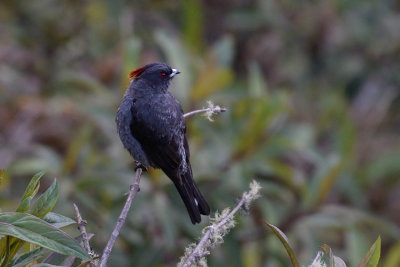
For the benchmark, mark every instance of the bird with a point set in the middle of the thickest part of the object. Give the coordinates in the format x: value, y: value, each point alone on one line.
x: 152, y: 128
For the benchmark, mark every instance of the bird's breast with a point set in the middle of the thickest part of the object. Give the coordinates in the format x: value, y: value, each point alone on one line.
x: 155, y: 118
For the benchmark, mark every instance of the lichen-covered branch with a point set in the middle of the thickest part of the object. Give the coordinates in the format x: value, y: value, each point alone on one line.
x: 213, y: 235
x: 209, y: 111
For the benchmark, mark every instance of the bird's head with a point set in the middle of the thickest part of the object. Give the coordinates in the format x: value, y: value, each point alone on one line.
x: 158, y: 75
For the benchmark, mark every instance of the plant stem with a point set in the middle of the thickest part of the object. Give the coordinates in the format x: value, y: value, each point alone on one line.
x: 216, y: 110
x: 122, y: 217
x: 82, y: 229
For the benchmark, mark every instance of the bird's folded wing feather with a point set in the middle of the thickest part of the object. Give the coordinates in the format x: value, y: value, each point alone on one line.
x: 169, y: 153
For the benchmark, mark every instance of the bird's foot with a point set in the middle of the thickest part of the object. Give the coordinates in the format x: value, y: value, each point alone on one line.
x: 139, y: 165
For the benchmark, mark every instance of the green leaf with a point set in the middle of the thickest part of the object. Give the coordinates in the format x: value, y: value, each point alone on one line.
x: 25, y: 258
x: 30, y: 192
x: 24, y: 205
x: 3, y: 246
x: 57, y: 258
x: 285, y: 241
x: 36, y: 231
x: 46, y: 202
x: 58, y: 220
x: 5, y: 250
x: 31, y: 189
x: 371, y: 259
x: 393, y: 256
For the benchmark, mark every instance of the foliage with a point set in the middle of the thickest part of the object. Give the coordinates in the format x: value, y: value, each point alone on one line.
x: 35, y: 225
x: 312, y: 94
x: 285, y: 241
x: 371, y: 259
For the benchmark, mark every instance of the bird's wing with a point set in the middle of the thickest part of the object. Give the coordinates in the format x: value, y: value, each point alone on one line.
x: 161, y: 133
x: 124, y: 120
x: 166, y: 147
x: 171, y: 157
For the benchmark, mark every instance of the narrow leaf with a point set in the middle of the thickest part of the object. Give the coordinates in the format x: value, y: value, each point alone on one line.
x: 31, y: 188
x: 393, y: 257
x: 30, y: 191
x: 5, y: 250
x: 285, y: 241
x: 36, y: 231
x: 57, y: 258
x: 58, y: 220
x: 3, y: 245
x: 46, y: 202
x: 371, y: 259
x: 24, y: 205
x: 25, y: 258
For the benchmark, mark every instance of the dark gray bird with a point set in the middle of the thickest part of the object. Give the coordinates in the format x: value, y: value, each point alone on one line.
x: 152, y: 128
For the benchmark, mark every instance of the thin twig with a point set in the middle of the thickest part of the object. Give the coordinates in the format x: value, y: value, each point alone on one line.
x: 213, y: 110
x: 82, y: 228
x: 122, y: 217
x: 196, y: 252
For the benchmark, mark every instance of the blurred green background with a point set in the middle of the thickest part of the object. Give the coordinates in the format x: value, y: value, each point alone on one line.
x: 312, y: 89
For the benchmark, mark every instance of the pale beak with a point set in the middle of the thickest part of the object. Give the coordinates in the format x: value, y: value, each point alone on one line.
x: 174, y: 72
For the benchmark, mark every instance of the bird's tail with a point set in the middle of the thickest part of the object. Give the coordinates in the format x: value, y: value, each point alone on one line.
x: 192, y: 197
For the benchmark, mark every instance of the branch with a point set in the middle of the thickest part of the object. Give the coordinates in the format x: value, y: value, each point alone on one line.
x: 82, y: 228
x: 213, y: 234
x: 122, y: 217
x: 211, y: 110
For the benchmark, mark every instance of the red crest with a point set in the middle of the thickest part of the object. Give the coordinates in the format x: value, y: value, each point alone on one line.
x: 136, y: 73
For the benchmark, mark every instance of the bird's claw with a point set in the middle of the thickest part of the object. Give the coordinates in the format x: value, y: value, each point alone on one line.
x: 139, y: 165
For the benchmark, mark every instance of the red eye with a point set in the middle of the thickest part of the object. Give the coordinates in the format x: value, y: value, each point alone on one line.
x: 163, y: 75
